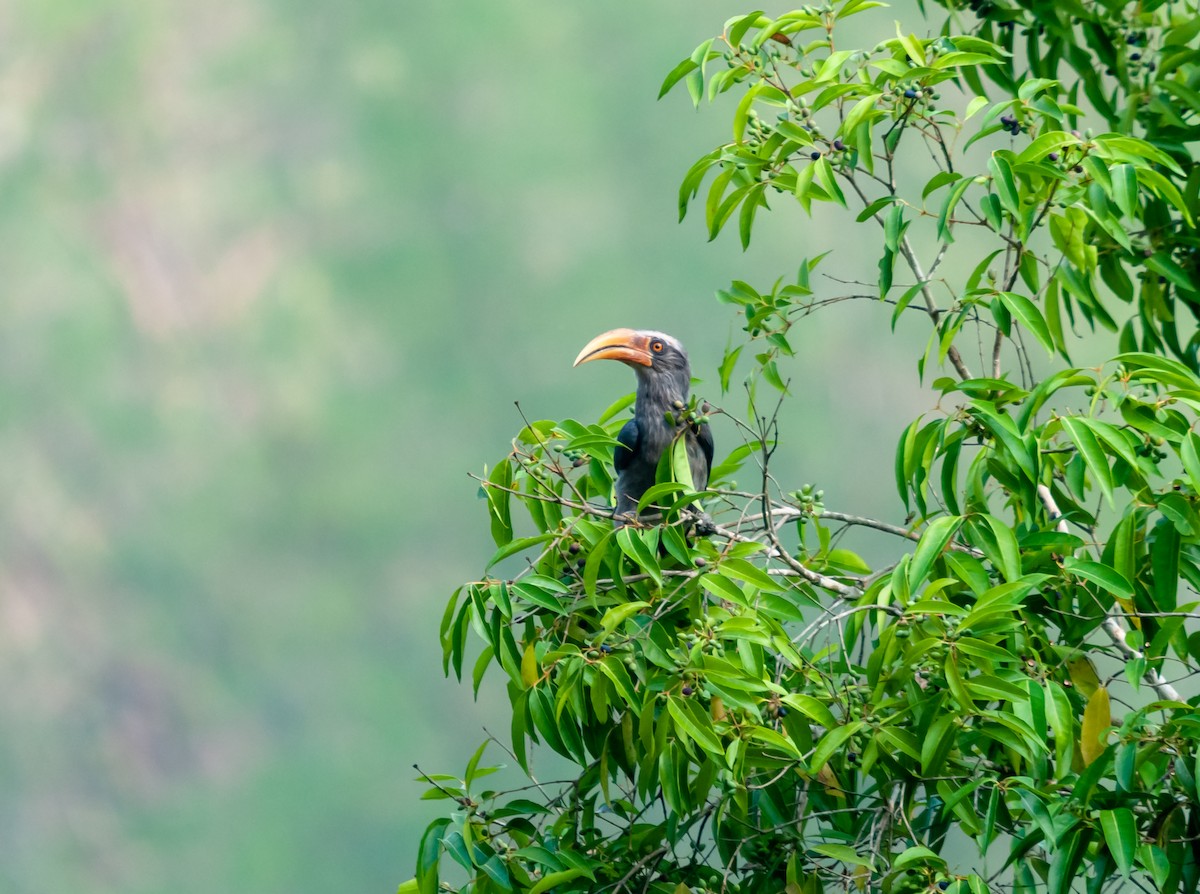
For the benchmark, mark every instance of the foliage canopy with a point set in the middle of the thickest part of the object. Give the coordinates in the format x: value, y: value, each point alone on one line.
x: 1010, y: 703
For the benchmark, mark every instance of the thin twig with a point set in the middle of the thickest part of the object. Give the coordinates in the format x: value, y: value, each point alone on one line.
x: 1111, y: 624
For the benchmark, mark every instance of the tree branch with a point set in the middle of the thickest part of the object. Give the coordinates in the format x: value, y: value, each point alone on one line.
x: 1111, y: 624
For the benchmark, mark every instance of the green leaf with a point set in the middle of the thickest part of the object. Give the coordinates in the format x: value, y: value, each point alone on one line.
x: 750, y: 574
x: 619, y: 614
x: 1021, y: 449
x: 1124, y: 188
x: 429, y: 854
x: 1093, y: 456
x: 1181, y: 513
x: 931, y: 545
x: 1029, y: 315
x: 774, y: 740
x: 1104, y: 577
x: 936, y: 744
x: 723, y: 588
x: 824, y: 176
x: 1062, y: 723
x: 615, y: 670
x: 842, y: 853
x: 814, y: 709
x: 1004, y: 184
x: 831, y: 742
x: 498, y: 502
x: 1164, y: 558
x: 1189, y: 455
x: 635, y: 547
x: 1044, y: 145
x: 1120, y: 834
x: 693, y: 720
x: 551, y: 880
x: 946, y: 214
x: 677, y: 74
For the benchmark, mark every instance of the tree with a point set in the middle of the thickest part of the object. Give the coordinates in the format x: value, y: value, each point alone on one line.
x: 1010, y: 703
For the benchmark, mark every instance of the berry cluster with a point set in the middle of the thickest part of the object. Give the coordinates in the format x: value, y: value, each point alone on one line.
x: 692, y: 415
x: 576, y: 458
x: 1011, y: 124
x: 809, y: 499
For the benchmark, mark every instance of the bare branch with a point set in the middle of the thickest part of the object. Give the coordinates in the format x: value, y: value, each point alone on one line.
x: 1111, y: 624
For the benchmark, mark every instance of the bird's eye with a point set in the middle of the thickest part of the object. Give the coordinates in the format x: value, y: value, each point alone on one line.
x: 656, y: 347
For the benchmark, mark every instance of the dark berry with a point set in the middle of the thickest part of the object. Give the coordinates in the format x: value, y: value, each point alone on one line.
x: 814, y: 155
x: 574, y: 548
x: 701, y: 562
x: 910, y: 93
x: 1135, y: 56
x: 1053, y: 156
x: 1078, y: 169
x: 838, y: 145
x: 606, y: 649
x: 687, y: 690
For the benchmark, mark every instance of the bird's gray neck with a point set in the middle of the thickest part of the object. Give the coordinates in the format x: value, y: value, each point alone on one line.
x: 657, y: 393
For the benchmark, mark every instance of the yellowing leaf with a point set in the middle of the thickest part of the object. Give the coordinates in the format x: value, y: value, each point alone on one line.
x: 1097, y: 720
x: 529, y: 668
x: 862, y: 875
x: 833, y: 785
x: 1083, y: 675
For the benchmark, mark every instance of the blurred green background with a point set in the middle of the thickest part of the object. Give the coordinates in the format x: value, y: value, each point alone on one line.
x: 273, y: 275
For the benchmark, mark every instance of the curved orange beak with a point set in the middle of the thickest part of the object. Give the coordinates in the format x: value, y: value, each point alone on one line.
x: 626, y: 345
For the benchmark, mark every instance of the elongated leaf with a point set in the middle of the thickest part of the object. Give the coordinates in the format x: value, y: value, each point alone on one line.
x: 813, y: 708
x: 833, y: 740
x: 1189, y: 454
x: 933, y: 541
x: 692, y: 719
x: 1004, y: 184
x: 631, y: 543
x: 618, y: 614
x: 1102, y: 575
x: 1093, y: 456
x: 1120, y: 834
x: 936, y: 745
x: 723, y: 588
x: 1124, y: 188
x: 1031, y: 318
x: 1097, y: 720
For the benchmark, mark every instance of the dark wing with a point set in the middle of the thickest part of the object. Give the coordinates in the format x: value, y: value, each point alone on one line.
x: 705, y: 439
x: 630, y: 437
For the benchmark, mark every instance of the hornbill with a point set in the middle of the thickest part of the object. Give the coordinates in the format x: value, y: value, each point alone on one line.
x: 664, y: 379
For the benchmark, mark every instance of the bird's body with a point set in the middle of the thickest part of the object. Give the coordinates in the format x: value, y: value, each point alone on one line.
x: 664, y: 380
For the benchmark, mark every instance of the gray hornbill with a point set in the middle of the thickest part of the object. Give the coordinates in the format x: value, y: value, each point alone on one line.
x: 664, y: 379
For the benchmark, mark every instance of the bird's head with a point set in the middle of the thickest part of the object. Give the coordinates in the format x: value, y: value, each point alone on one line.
x: 649, y: 353
x: 659, y: 360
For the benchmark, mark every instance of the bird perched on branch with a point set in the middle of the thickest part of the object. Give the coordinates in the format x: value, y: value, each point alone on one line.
x: 664, y: 379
